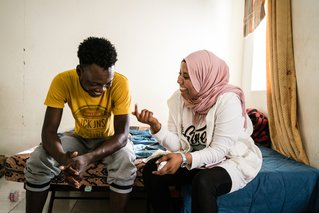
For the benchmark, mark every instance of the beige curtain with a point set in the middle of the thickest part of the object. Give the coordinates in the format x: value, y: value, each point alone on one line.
x: 281, y: 82
x: 254, y: 14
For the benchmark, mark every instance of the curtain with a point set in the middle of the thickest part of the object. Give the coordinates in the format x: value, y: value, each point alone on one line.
x: 281, y: 82
x: 254, y: 14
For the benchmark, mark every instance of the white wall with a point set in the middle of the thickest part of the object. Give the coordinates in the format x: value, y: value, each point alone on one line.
x: 306, y: 45
x: 40, y: 38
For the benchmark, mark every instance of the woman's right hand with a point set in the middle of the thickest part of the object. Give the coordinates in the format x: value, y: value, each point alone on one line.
x: 146, y: 117
x: 173, y: 163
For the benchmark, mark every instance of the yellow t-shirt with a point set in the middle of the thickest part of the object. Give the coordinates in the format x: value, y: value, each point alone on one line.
x: 93, y: 115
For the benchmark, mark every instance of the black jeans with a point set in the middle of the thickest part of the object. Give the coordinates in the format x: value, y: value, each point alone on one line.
x: 207, y: 185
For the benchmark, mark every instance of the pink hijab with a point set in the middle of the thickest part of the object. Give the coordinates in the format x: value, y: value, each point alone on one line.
x: 210, y: 76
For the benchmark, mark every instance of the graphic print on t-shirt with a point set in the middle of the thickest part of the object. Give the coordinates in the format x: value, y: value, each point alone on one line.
x: 92, y: 120
x: 196, y: 137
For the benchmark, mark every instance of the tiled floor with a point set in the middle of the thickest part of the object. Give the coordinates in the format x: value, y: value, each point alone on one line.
x: 5, y: 188
x: 137, y: 203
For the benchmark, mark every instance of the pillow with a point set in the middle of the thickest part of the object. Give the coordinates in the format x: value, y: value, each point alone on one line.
x: 260, y: 134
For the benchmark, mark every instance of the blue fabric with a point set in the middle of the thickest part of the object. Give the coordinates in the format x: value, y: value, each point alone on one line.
x: 144, y: 143
x: 283, y: 185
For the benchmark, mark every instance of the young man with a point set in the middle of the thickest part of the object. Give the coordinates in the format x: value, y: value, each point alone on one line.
x: 100, y: 101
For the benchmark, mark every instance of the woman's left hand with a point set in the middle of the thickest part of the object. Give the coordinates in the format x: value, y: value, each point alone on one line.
x: 173, y: 160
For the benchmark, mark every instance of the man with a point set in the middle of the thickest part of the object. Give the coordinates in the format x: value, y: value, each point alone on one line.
x: 100, y: 101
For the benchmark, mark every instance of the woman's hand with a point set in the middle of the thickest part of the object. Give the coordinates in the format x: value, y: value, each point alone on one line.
x: 174, y: 161
x: 146, y: 117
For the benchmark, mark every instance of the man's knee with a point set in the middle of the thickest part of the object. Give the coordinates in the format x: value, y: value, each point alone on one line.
x: 121, y: 170
x: 40, y: 169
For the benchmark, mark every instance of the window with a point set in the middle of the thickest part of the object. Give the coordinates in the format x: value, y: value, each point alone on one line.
x: 258, y: 77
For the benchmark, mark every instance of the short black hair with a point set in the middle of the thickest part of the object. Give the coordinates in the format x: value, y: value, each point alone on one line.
x: 99, y: 51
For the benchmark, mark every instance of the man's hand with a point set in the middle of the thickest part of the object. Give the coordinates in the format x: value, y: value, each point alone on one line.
x: 174, y: 161
x: 73, y: 168
x: 146, y: 117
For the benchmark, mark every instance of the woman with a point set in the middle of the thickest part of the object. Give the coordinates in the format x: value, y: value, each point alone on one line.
x: 208, y: 136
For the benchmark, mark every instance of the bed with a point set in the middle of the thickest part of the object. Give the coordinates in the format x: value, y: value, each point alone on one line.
x: 95, y: 176
x: 283, y: 185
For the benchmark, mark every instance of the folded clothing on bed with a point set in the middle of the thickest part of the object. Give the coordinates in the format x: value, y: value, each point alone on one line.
x: 144, y: 143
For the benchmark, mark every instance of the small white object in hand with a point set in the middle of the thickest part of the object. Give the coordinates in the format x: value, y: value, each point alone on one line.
x: 161, y: 165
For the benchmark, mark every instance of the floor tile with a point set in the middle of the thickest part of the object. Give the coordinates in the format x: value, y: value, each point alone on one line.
x: 137, y: 203
x: 5, y: 188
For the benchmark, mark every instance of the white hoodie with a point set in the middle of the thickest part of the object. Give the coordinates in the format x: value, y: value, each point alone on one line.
x: 226, y: 142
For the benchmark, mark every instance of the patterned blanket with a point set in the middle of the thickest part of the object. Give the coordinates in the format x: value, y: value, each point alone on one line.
x: 95, y: 174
